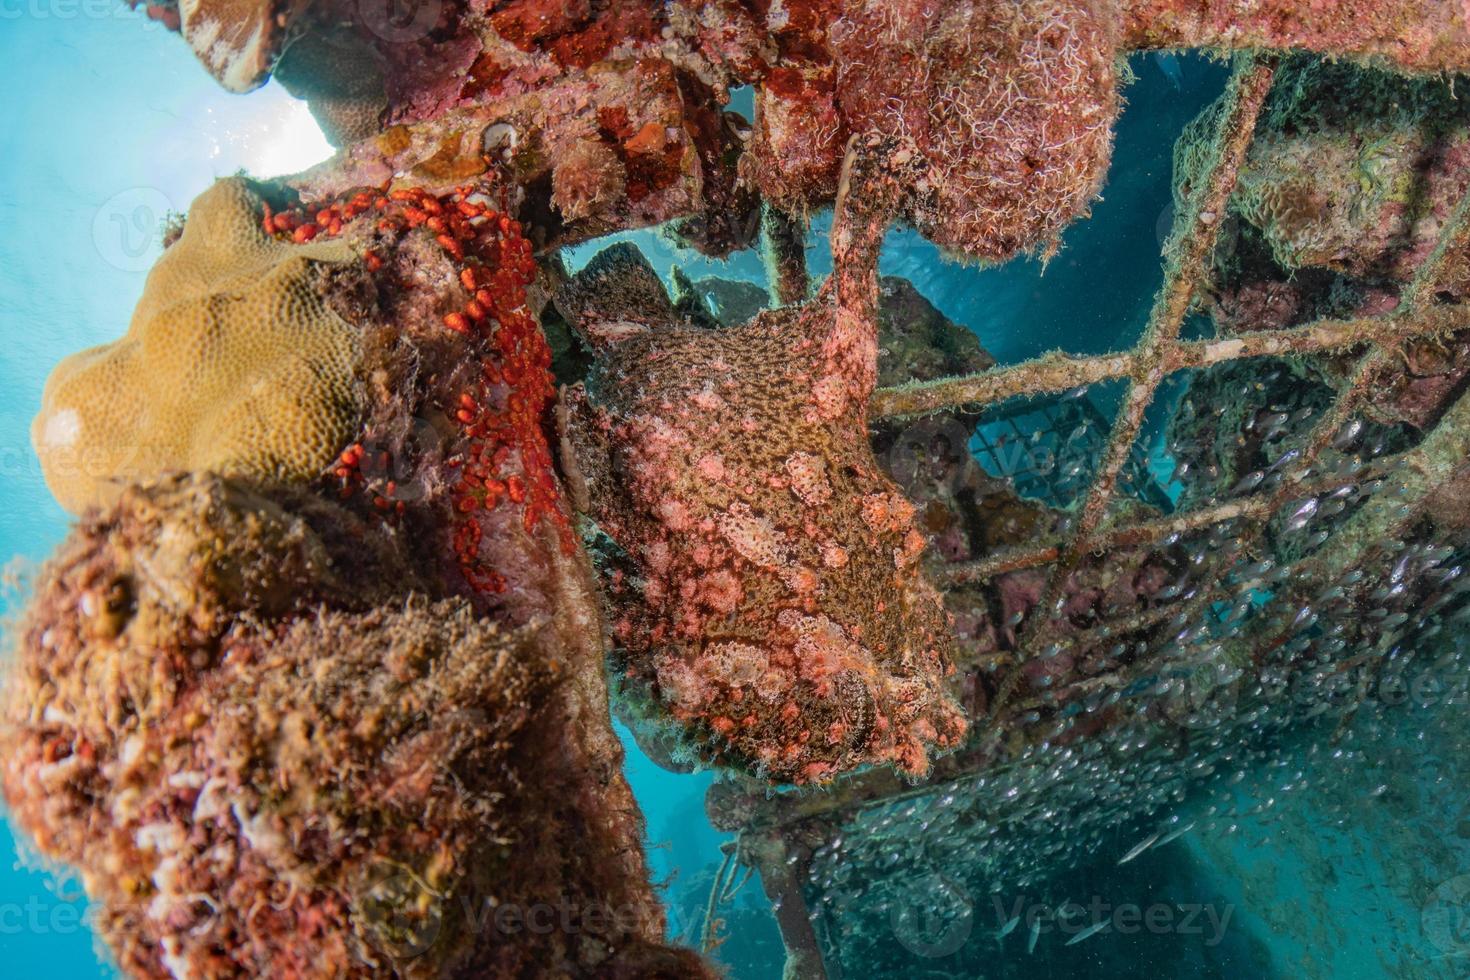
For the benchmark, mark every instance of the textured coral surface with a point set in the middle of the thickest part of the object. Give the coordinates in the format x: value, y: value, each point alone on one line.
x: 1011, y: 105
x: 1424, y: 36
x: 234, y: 362
x: 780, y: 605
x: 270, y: 751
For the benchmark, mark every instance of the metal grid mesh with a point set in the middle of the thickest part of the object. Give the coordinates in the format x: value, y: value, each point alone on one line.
x: 788, y: 828
x: 1161, y: 353
x: 1048, y: 449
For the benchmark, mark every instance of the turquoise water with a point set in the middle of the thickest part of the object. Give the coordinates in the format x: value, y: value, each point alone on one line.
x: 110, y: 123
x: 1342, y: 873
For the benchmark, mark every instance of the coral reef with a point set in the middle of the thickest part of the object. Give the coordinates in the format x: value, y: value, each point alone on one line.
x: 607, y: 118
x: 269, y: 750
x: 1348, y: 186
x: 413, y: 607
x: 317, y: 684
x: 233, y: 363
x: 1011, y: 104
x: 778, y: 606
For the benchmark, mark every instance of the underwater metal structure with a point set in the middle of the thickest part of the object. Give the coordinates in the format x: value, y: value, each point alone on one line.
x: 811, y: 849
x: 422, y: 258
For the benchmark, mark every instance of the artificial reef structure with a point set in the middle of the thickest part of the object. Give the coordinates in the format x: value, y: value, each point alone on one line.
x: 375, y: 494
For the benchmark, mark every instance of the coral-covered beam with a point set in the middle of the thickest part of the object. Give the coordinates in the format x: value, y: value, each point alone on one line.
x: 1135, y: 534
x: 783, y: 865
x: 783, y: 249
x: 1427, y: 36
x: 1056, y: 372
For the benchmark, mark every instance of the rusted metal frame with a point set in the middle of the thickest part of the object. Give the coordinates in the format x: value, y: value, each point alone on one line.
x: 1444, y: 451
x: 1055, y: 372
x: 1330, y: 336
x: 1196, y: 230
x: 1255, y: 517
x: 709, y: 936
x: 1134, y: 534
x: 1455, y: 239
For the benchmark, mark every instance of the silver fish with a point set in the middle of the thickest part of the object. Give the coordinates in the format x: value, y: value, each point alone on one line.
x: 1139, y: 848
x: 1090, y: 931
x: 1177, y: 833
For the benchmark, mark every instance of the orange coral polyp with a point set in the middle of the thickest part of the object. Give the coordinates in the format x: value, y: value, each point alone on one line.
x: 495, y: 265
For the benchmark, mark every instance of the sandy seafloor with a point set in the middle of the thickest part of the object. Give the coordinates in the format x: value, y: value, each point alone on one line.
x: 109, y: 123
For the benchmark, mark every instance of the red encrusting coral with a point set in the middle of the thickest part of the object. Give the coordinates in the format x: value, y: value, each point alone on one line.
x: 503, y: 458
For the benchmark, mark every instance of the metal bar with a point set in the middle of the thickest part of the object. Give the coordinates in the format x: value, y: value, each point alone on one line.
x: 784, y: 868
x: 1056, y: 372
x: 783, y: 250
x: 1454, y: 240
x: 1191, y: 243
x: 1439, y: 457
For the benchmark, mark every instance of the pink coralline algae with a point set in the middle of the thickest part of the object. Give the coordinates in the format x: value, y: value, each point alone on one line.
x: 1011, y: 104
x: 777, y: 604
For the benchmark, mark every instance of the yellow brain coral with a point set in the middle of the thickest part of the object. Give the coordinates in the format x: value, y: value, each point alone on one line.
x: 233, y: 363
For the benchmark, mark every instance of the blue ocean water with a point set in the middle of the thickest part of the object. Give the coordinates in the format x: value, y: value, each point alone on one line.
x: 111, y: 124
